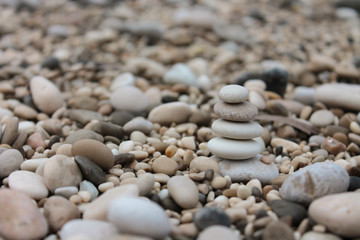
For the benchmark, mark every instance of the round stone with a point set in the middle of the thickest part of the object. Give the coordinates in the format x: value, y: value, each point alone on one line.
x: 339, y: 213
x: 237, y: 130
x: 10, y: 160
x: 174, y: 112
x: 129, y: 98
x: 322, y: 118
x: 233, y: 93
x: 314, y: 181
x: 29, y: 183
x: 184, y: 191
x: 165, y: 165
x: 233, y: 149
x: 45, y: 94
x: 58, y: 211
x: 61, y: 171
x: 128, y: 213
x: 217, y: 232
x: 94, y: 150
x: 238, y: 112
x: 207, y: 217
x: 20, y: 218
x: 203, y: 164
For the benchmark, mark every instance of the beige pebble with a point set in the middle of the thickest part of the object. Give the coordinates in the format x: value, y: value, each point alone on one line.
x: 161, y: 178
x: 243, y: 192
x: 85, y: 196
x: 145, y: 182
x: 75, y: 199
x: 170, y: 150
x: 127, y: 175
x: 105, y: 186
x: 140, y: 155
x: 65, y: 149
x: 218, y: 182
x: 305, y: 112
x: 184, y: 191
x: 165, y: 165
x: 126, y: 146
x: 254, y: 183
x: 273, y: 195
x: 188, y: 142
x: 236, y: 214
x: 354, y: 127
x: 288, y: 145
x: 204, y: 163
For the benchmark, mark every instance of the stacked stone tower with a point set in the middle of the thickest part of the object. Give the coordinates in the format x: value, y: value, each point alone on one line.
x: 235, y: 127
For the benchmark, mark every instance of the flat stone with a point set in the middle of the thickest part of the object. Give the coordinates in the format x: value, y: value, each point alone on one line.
x: 87, y: 229
x: 20, y: 218
x: 314, y: 181
x: 45, y: 94
x: 207, y: 217
x: 238, y: 112
x: 287, y: 144
x: 203, y: 164
x: 90, y: 170
x: 285, y: 208
x: 218, y: 232
x: 10, y: 131
x: 278, y: 230
x: 94, y: 150
x: 233, y: 149
x: 245, y: 170
x: 174, y: 112
x: 322, y: 118
x: 83, y: 134
x: 332, y: 95
x: 339, y: 213
x: 138, y: 124
x: 184, y: 191
x: 129, y: 98
x: 61, y: 171
x: 29, y: 183
x: 10, y: 160
x: 237, y: 130
x: 150, y: 216
x: 58, y: 211
x: 180, y: 74
x: 165, y: 165
x: 98, y: 208
x: 233, y: 93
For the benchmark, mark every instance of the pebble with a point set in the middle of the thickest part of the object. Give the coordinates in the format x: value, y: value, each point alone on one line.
x: 124, y: 79
x: 238, y: 112
x: 218, y: 232
x: 180, y: 74
x: 10, y: 160
x: 29, y: 183
x: 207, y: 217
x: 312, y: 235
x: 278, y: 230
x: 145, y: 183
x: 233, y: 149
x: 58, y: 211
x: 89, y: 187
x: 83, y: 116
x: 87, y: 229
x: 174, y: 112
x: 35, y: 140
x: 83, y: 134
x: 108, y: 129
x: 314, y: 181
x: 46, y: 95
x: 322, y: 118
x: 237, y: 130
x: 338, y: 213
x: 98, y: 208
x: 333, y: 146
x: 287, y: 144
x: 138, y: 124
x: 61, y: 171
x: 304, y: 95
x: 184, y: 191
x: 90, y: 170
x: 203, y: 164
x: 66, y: 191
x: 129, y: 98
x: 290, y: 105
x: 95, y: 151
x: 150, y: 216
x: 9, y: 133
x: 25, y: 112
x: 233, y: 93
x: 165, y: 165
x: 285, y: 208
x: 354, y: 183
x: 245, y: 170
x: 20, y: 218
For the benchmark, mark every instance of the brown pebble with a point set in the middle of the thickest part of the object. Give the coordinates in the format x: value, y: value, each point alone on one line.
x: 341, y: 137
x: 124, y: 158
x: 333, y: 146
x: 278, y: 181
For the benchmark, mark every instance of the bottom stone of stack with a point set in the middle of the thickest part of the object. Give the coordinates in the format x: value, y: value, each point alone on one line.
x: 245, y: 170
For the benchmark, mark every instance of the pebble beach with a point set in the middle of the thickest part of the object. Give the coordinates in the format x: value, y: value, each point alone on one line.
x: 179, y: 120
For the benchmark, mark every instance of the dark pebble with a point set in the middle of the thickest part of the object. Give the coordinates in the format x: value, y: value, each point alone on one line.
x: 90, y: 170
x: 261, y: 213
x: 285, y: 208
x: 207, y: 217
x: 209, y: 174
x: 170, y: 204
x: 51, y: 63
x: 354, y: 183
x: 124, y: 158
x: 278, y: 230
x: 276, y: 80
x: 53, y: 139
x: 108, y: 128
x: 121, y: 117
x: 202, y: 198
x: 83, y: 116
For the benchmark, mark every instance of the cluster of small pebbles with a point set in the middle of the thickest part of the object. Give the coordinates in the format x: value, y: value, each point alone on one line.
x: 170, y: 119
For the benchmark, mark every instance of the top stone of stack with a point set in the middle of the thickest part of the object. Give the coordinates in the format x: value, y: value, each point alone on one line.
x: 233, y: 94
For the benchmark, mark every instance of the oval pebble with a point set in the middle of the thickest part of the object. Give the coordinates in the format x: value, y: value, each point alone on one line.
x: 238, y: 112
x: 29, y: 183
x: 233, y: 149
x: 322, y: 118
x: 314, y: 181
x: 184, y: 191
x: 174, y: 112
x: 287, y: 144
x: 218, y: 232
x: 237, y: 130
x: 145, y: 182
x: 95, y: 151
x: 233, y: 93
x: 10, y: 160
x: 45, y: 94
x: 128, y: 213
x: 165, y: 165
x: 203, y: 164
x: 339, y: 213
x: 129, y: 98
